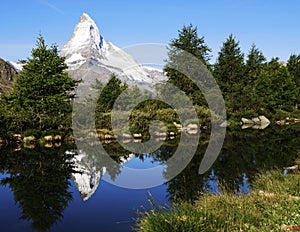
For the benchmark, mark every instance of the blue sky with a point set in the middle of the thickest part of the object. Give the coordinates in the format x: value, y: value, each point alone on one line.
x: 273, y: 25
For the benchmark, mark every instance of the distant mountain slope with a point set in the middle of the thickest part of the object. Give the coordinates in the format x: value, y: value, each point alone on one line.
x: 7, y: 75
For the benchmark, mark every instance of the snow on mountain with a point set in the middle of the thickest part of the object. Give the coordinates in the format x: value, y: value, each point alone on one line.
x: 88, y: 173
x: 89, y: 56
x: 85, y: 43
x: 86, y: 176
x: 156, y: 74
x: 18, y: 66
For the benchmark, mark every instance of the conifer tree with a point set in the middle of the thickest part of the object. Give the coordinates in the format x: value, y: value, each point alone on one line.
x: 44, y: 88
x: 276, y: 88
x: 189, y: 42
x: 109, y: 94
x: 229, y: 72
x: 293, y: 65
x: 254, y: 64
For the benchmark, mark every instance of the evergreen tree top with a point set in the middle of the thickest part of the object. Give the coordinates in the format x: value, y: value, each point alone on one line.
x: 43, y: 86
x: 189, y: 41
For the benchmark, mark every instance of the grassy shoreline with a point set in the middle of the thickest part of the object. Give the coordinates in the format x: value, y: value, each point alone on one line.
x: 273, y: 205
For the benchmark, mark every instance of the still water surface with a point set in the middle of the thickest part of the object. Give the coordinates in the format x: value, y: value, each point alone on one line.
x: 61, y: 189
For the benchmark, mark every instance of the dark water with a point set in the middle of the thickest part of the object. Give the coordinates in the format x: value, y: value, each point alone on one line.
x: 59, y: 189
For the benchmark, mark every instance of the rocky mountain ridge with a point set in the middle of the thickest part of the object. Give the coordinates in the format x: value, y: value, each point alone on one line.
x: 7, y: 75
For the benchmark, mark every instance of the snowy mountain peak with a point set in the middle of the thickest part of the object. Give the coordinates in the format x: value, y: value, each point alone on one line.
x: 85, y: 43
x: 85, y: 17
x: 88, y: 172
x: 86, y: 175
x: 90, y: 57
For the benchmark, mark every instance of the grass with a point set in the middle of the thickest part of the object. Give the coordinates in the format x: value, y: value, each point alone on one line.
x: 273, y: 203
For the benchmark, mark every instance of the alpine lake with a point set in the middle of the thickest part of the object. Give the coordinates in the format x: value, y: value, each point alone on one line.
x: 58, y: 189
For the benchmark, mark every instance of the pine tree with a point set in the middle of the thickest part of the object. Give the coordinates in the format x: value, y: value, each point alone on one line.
x: 254, y: 64
x: 189, y: 42
x: 276, y: 87
x: 293, y: 65
x: 109, y: 94
x: 44, y: 88
x: 229, y: 72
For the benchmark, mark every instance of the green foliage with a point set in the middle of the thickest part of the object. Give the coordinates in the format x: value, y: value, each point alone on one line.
x: 32, y: 132
x: 255, y: 86
x: 50, y: 132
x: 229, y: 68
x: 236, y: 117
x: 103, y: 121
x: 254, y: 64
x: 39, y: 180
x: 14, y: 119
x: 229, y: 212
x: 152, y: 110
x: 276, y: 183
x: 167, y: 115
x: 204, y: 115
x: 275, y: 87
x: 3, y: 120
x: 140, y: 116
x: 109, y: 94
x: 293, y: 66
x: 43, y: 89
x: 42, y: 94
x: 189, y: 42
x: 229, y: 72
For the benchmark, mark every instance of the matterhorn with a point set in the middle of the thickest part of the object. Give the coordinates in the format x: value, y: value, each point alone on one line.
x: 89, y: 57
x: 88, y: 171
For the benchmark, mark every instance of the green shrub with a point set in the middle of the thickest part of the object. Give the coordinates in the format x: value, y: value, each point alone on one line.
x: 50, y: 132
x: 280, y: 114
x: 32, y: 132
x: 103, y: 121
x: 237, y: 116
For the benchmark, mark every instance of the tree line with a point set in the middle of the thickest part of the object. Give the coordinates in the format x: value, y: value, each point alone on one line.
x: 43, y: 92
x: 250, y: 84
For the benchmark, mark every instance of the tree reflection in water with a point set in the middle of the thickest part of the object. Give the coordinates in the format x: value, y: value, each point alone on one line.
x: 39, y: 180
x: 244, y: 155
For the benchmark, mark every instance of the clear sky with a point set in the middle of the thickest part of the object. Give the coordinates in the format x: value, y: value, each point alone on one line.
x: 273, y: 25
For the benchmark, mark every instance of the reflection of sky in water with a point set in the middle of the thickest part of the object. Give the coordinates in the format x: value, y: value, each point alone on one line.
x: 111, y: 208
x: 139, y: 173
x: 138, y: 163
x: 244, y: 188
x: 212, y: 185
